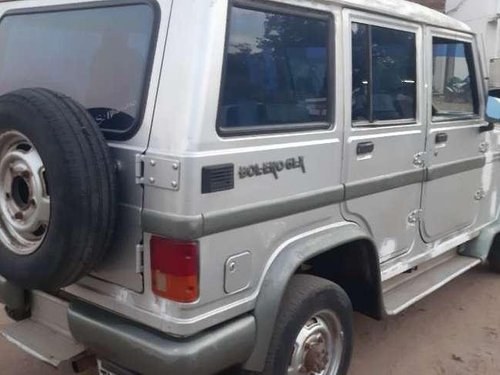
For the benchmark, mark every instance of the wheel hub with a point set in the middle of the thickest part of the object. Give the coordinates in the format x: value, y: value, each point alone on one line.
x: 316, y: 356
x: 318, y: 346
x: 24, y: 197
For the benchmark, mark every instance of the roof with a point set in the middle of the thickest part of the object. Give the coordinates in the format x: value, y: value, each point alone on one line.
x: 402, y: 9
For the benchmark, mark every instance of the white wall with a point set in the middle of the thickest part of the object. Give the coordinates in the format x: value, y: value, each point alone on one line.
x: 483, y: 17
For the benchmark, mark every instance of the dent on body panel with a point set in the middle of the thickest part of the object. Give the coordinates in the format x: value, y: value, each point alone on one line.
x: 488, y: 205
x: 487, y: 177
x: 494, y: 190
x: 493, y: 138
x: 388, y: 246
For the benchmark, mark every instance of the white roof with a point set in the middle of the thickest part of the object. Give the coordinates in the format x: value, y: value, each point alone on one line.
x: 404, y: 10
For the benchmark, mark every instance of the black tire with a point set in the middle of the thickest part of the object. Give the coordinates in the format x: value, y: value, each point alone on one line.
x: 307, y: 295
x: 494, y: 255
x: 81, y: 178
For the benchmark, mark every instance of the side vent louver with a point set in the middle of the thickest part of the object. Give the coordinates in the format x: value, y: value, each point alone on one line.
x: 217, y: 178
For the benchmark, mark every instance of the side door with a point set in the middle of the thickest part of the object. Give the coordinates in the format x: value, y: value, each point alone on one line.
x: 384, y: 133
x: 455, y: 146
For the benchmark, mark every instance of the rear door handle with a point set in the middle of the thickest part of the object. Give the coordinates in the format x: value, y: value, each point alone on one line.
x: 365, y: 148
x: 441, y: 138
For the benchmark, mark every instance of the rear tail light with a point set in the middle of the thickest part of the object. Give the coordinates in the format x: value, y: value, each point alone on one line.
x: 175, y: 269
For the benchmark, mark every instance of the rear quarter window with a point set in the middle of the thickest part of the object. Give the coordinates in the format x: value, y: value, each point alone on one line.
x: 276, y: 73
x: 98, y: 56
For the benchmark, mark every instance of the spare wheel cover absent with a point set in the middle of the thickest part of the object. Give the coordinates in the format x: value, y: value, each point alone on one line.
x: 57, y: 190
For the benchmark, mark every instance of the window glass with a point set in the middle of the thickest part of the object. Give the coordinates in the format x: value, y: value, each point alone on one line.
x: 97, y: 56
x: 361, y: 86
x: 384, y: 74
x: 453, y: 87
x: 276, y: 70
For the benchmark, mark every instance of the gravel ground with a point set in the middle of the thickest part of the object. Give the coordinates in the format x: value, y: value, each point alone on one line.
x: 455, y: 331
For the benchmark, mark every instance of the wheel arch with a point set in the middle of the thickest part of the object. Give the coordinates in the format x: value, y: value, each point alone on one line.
x: 301, y: 256
x: 481, y: 246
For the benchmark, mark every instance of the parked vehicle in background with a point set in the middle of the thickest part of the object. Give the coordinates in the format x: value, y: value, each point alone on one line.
x: 188, y: 186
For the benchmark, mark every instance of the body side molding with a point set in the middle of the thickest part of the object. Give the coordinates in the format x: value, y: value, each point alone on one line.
x: 191, y: 227
x: 455, y: 167
x: 375, y: 185
x: 185, y: 227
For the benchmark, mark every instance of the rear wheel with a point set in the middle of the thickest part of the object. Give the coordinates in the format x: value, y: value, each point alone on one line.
x: 313, y: 334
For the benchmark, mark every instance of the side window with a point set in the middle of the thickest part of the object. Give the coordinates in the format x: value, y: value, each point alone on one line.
x: 454, y: 89
x: 276, y: 71
x: 384, y: 74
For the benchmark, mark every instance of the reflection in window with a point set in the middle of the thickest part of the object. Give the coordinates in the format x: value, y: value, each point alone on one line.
x: 386, y: 88
x: 276, y: 70
x: 453, y: 93
x: 96, y: 56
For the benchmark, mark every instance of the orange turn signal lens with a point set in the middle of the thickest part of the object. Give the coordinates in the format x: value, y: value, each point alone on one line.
x: 175, y: 269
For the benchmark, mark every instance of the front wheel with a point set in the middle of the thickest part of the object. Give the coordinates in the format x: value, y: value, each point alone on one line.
x: 494, y: 256
x: 313, y: 333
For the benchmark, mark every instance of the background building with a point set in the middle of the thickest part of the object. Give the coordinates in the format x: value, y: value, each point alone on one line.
x: 434, y: 4
x: 483, y: 16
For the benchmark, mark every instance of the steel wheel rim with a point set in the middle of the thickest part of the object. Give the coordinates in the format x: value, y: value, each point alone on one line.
x: 318, y: 346
x: 24, y: 195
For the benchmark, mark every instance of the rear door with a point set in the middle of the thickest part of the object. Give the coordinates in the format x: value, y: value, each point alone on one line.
x: 102, y: 55
x: 455, y: 146
x: 384, y: 136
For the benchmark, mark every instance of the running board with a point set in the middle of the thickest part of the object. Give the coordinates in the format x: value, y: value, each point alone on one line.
x: 408, y: 288
x: 46, y: 334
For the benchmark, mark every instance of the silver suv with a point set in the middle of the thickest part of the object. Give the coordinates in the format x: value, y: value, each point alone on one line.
x: 188, y: 186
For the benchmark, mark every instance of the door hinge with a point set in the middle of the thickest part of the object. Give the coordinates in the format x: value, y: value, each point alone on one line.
x: 139, y: 169
x: 419, y: 160
x: 415, y: 216
x: 480, y: 194
x: 139, y: 258
x: 484, y: 147
x: 159, y: 172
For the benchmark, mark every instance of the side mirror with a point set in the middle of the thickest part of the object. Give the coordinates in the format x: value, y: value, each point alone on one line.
x: 492, y: 111
x: 493, y: 106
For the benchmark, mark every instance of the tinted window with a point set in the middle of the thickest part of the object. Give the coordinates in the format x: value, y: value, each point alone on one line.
x: 384, y: 74
x: 276, y: 70
x: 97, y: 56
x: 361, y: 80
x: 453, y: 89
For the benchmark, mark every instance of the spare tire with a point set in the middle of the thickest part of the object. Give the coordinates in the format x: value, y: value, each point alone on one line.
x: 57, y: 190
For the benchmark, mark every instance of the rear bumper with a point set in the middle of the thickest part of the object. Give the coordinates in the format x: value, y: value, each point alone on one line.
x: 148, y: 352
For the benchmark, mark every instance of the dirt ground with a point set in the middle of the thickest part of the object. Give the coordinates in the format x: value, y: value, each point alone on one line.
x: 455, y: 331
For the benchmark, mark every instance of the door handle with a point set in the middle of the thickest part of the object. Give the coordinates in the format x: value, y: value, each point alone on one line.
x: 441, y: 138
x: 487, y: 128
x: 365, y: 148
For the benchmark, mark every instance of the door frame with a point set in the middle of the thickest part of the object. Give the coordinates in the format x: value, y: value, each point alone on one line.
x: 380, y: 129
x: 435, y: 127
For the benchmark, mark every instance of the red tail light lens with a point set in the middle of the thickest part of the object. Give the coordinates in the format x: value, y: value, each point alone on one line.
x: 175, y: 269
